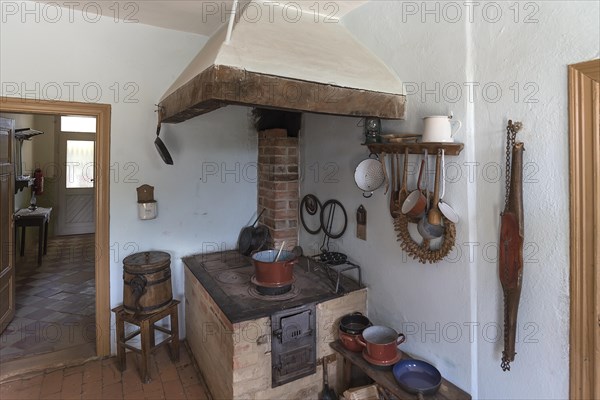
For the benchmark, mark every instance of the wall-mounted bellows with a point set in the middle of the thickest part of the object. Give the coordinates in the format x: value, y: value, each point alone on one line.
x: 147, y: 207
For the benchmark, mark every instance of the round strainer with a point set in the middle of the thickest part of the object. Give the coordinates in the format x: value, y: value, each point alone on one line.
x: 369, y: 175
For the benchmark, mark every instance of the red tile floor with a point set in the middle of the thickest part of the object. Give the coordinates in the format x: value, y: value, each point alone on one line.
x: 101, y: 379
x: 55, y: 309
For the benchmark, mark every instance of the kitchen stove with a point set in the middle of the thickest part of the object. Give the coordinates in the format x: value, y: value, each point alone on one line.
x: 251, y: 345
x: 227, y: 277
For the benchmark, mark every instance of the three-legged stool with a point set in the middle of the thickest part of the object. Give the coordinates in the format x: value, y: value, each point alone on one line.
x: 146, y: 330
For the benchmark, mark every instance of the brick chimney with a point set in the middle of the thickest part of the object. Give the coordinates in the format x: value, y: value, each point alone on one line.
x: 278, y: 185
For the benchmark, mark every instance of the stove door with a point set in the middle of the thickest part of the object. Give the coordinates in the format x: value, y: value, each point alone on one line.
x: 293, y: 346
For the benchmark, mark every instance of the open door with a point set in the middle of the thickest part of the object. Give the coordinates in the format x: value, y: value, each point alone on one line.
x: 7, y: 253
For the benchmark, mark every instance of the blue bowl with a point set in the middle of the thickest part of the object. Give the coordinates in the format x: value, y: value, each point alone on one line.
x: 416, y: 376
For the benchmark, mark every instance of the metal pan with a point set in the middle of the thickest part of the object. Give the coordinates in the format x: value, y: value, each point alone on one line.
x: 418, y: 377
x: 162, y: 149
x: 251, y: 238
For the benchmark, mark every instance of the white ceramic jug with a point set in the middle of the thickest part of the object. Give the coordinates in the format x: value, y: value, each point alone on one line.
x: 440, y: 128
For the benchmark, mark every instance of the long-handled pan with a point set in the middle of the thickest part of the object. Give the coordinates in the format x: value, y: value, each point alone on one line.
x: 251, y: 237
x: 160, y: 146
x: 328, y: 392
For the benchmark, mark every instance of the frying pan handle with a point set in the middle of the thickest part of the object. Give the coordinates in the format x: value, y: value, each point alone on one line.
x: 401, y: 339
x: 361, y: 341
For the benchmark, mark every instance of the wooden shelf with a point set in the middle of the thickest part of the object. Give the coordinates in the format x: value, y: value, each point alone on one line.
x: 451, y: 149
x: 385, y: 377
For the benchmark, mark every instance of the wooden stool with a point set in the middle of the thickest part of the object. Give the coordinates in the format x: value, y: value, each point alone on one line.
x: 147, y: 330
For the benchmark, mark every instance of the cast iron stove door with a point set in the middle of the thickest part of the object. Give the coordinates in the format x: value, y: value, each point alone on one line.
x: 293, y: 344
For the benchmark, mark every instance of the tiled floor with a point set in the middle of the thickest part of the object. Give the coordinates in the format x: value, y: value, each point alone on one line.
x: 101, y: 379
x: 54, y: 302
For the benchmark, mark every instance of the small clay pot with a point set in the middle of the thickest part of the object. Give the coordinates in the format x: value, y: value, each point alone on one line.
x: 381, y: 342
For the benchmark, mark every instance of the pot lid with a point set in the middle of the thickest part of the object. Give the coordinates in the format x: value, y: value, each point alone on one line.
x: 147, y: 259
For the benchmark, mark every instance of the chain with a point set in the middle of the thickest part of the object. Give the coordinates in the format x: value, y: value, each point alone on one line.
x: 511, y: 134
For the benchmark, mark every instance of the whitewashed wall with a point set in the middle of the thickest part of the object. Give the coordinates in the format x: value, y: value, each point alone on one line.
x: 129, y: 66
x: 452, y: 311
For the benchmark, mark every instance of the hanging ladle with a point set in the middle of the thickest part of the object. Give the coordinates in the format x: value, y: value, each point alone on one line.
x: 444, y: 207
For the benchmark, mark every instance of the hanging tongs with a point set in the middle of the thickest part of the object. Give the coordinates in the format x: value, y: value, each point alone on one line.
x: 160, y: 146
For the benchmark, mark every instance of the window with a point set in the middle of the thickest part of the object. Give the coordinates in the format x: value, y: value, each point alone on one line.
x: 72, y: 123
x: 80, y: 164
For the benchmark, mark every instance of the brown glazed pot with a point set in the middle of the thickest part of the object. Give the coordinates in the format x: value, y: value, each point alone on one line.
x: 381, y: 342
x: 273, y: 274
x: 351, y: 326
x: 349, y: 341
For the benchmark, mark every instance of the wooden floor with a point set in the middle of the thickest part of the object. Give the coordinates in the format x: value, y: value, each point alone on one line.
x: 101, y: 379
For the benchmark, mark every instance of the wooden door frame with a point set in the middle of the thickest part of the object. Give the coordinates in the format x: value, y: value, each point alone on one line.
x: 102, y: 112
x: 584, y: 162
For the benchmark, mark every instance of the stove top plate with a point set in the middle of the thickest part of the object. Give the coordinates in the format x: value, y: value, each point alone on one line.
x: 226, y: 278
x: 295, y: 291
x: 233, y: 278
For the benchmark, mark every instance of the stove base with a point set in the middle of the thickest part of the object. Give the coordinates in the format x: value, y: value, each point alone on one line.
x: 235, y: 359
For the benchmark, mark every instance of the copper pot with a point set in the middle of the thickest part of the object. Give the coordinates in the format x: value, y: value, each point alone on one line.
x: 349, y: 341
x: 273, y: 273
x: 381, y: 342
x: 350, y: 328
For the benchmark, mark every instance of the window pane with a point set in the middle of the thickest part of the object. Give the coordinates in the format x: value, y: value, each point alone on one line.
x: 77, y: 124
x: 80, y: 164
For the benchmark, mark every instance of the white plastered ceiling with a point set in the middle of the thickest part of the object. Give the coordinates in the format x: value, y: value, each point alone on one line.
x: 205, y: 16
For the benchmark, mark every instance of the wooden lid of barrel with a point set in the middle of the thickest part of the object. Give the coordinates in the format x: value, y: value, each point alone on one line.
x: 147, y: 282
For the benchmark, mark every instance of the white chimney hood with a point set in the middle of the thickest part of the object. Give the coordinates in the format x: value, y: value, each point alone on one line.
x: 285, y: 63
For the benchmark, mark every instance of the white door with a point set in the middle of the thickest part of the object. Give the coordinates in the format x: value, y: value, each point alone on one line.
x: 76, y: 148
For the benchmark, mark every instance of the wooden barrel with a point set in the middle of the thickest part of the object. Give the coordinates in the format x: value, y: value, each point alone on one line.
x: 147, y: 282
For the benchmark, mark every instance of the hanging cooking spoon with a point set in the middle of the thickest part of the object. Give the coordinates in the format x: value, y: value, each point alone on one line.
x: 393, y: 193
x: 444, y: 207
x: 435, y: 216
x: 430, y: 225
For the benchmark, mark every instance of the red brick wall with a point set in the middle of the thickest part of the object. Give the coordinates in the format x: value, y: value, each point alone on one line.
x: 278, y: 185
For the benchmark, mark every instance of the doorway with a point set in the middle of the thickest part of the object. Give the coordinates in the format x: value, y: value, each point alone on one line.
x: 75, y: 146
x: 54, y: 290
x: 101, y: 198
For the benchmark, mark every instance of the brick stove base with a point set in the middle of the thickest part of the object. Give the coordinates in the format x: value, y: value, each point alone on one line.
x: 235, y: 359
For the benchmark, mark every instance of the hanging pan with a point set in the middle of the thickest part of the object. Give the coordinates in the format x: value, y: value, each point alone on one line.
x: 162, y: 149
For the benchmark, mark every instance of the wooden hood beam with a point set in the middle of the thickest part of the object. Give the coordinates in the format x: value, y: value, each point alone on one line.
x: 219, y: 86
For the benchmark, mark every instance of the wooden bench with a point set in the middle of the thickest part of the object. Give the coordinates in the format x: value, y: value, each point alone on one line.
x: 385, y: 377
